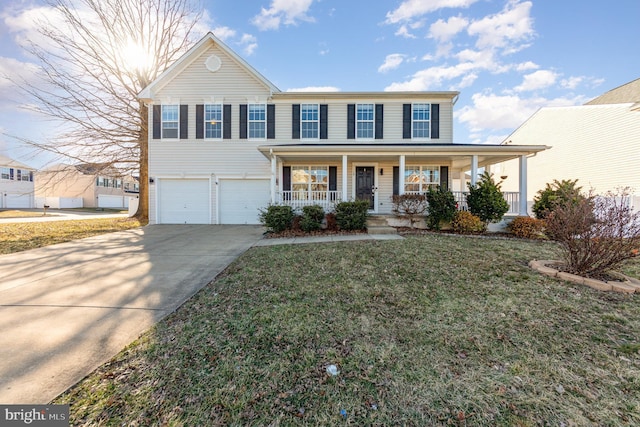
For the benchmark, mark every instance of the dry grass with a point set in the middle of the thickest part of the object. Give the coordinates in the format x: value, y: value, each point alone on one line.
x: 12, y: 213
x: 16, y: 237
x: 431, y: 330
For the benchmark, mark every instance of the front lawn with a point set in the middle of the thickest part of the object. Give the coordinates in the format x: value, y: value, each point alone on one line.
x: 430, y: 330
x: 21, y: 236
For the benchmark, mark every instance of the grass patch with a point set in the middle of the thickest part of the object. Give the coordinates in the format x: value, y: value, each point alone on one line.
x: 22, y: 236
x: 11, y: 213
x: 430, y: 330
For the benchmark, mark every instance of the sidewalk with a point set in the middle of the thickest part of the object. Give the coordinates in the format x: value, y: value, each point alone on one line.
x: 62, y: 215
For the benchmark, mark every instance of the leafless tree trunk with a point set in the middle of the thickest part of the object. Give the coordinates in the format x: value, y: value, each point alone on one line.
x: 97, y: 56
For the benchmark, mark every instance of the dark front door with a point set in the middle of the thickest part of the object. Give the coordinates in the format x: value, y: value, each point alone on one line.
x: 364, y: 184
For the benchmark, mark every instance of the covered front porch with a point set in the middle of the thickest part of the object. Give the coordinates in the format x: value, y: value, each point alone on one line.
x: 324, y: 175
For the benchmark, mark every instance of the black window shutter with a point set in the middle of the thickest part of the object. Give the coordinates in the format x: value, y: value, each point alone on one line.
x: 286, y: 178
x: 406, y: 121
x: 444, y: 177
x: 379, y: 120
x: 333, y: 178
x: 243, y: 121
x: 157, y: 121
x: 184, y: 121
x: 226, y: 121
x: 199, y: 121
x: 351, y: 121
x: 11, y: 173
x: 396, y: 180
x: 271, y: 121
x: 31, y: 176
x: 435, y: 121
x: 295, y: 121
x: 324, y: 123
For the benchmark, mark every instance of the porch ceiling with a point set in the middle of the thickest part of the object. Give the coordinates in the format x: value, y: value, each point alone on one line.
x: 458, y: 155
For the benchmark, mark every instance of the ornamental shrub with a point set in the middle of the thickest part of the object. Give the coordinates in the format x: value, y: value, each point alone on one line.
x: 485, y: 200
x: 526, y: 227
x: 352, y: 215
x: 411, y: 206
x: 554, y: 194
x: 441, y: 206
x: 465, y: 222
x: 312, y: 217
x: 330, y: 219
x: 277, y: 218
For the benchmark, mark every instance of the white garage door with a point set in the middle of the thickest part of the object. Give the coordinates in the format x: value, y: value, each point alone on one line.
x: 183, y: 201
x: 109, y: 201
x: 18, y: 201
x: 241, y: 200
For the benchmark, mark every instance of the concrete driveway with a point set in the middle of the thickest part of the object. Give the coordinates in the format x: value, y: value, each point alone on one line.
x: 67, y: 309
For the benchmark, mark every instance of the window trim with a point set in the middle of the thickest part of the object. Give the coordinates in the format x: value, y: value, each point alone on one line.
x: 413, y: 121
x: 205, y: 121
x: 163, y: 121
x: 421, y: 166
x: 5, y: 171
x: 264, y: 121
x: 317, y: 122
x: 309, y: 191
x: 372, y: 121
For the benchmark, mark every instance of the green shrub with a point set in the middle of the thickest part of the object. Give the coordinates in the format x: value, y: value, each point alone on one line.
x: 352, y: 215
x: 441, y: 206
x: 312, y: 217
x: 485, y: 200
x: 330, y: 219
x: 555, y: 194
x: 465, y: 222
x: 526, y: 227
x: 277, y: 218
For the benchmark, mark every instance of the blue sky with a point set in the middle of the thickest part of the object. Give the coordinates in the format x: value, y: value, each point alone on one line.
x: 508, y: 58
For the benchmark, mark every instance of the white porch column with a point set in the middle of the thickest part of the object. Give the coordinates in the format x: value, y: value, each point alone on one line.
x: 474, y: 169
x: 401, y: 165
x: 274, y: 169
x: 345, y: 176
x: 523, y: 186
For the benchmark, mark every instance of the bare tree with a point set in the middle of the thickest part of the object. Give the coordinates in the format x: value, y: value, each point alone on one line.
x: 97, y: 56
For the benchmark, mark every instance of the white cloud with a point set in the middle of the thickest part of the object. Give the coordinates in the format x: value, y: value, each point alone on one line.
x: 508, y: 30
x: 537, y: 80
x: 391, y: 62
x: 403, y: 31
x: 249, y: 43
x: 444, y: 31
x: 314, y: 89
x: 572, y: 82
x: 224, y: 33
x: 497, y: 112
x: 410, y: 9
x: 527, y: 66
x: 431, y: 78
x: 287, y: 12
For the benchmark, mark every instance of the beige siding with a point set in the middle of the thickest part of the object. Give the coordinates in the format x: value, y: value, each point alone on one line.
x: 598, y: 145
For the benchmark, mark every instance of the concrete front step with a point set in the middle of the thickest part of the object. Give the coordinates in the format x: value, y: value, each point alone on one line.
x: 377, y: 221
x: 381, y: 230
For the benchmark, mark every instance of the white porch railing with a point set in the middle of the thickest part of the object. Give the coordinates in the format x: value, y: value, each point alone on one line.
x: 298, y: 199
x: 512, y: 198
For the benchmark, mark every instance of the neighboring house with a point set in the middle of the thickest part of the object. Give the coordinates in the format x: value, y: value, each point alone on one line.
x: 597, y: 143
x: 86, y: 185
x: 16, y: 184
x: 225, y: 142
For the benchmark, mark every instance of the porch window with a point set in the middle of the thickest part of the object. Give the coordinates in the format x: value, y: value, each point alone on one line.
x: 309, y: 182
x: 5, y: 173
x: 418, y: 179
x: 257, y: 121
x: 421, y: 121
x: 170, y: 122
x: 213, y: 121
x: 364, y: 121
x: 309, y: 120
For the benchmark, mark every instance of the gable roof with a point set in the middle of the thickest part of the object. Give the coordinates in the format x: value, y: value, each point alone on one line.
x: 194, y: 52
x: 627, y: 93
x: 7, y: 161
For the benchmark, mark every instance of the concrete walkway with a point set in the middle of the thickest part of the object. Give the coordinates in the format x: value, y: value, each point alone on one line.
x: 61, y: 215
x: 67, y: 309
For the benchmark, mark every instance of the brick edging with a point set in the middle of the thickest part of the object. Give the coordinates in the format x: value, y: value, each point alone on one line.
x: 628, y: 286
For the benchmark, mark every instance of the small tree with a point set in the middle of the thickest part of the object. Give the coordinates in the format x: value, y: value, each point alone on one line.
x: 410, y: 206
x: 441, y: 206
x: 554, y: 194
x: 485, y: 200
x: 597, y: 233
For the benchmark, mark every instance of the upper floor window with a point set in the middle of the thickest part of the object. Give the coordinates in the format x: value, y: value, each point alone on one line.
x: 170, y: 121
x: 213, y: 121
x: 418, y: 179
x: 5, y: 173
x: 257, y: 121
x: 310, y: 121
x: 364, y: 121
x: 421, y: 121
x: 23, y: 175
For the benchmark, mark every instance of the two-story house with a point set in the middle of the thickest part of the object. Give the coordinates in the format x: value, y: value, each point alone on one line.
x: 16, y: 184
x: 225, y: 142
